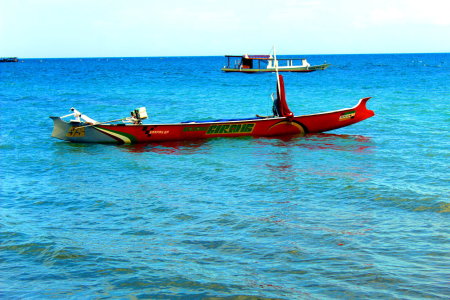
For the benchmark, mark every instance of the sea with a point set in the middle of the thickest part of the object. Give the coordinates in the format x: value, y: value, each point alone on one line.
x: 361, y: 212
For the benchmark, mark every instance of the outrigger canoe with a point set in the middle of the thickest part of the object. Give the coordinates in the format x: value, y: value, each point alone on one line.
x: 131, y: 129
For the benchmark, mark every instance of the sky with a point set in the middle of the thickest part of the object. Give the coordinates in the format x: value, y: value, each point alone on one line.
x: 125, y: 28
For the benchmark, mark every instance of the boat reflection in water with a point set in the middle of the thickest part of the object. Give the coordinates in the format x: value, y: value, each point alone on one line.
x: 169, y: 148
x: 321, y: 141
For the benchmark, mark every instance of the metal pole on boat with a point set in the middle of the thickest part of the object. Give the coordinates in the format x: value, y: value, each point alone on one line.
x: 275, y: 61
x: 100, y: 123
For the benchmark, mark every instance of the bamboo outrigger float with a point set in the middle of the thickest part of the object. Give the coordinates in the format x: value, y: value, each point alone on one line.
x: 131, y: 130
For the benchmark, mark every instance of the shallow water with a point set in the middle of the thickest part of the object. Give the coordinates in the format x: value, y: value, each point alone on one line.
x: 360, y: 212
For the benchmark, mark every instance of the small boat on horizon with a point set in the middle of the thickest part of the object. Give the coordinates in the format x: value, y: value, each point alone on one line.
x: 267, y: 63
x: 130, y: 130
x: 9, y: 59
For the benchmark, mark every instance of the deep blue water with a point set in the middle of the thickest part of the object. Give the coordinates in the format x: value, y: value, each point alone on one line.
x: 360, y: 212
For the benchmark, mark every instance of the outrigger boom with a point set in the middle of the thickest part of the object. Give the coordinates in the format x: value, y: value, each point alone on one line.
x: 131, y: 130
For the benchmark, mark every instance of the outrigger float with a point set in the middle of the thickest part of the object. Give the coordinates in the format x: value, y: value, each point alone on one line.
x: 267, y: 63
x: 129, y: 130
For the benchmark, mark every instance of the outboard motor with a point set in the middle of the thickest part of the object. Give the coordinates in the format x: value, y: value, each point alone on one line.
x: 138, y: 115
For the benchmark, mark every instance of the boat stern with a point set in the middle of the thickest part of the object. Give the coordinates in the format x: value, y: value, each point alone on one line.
x: 60, y: 128
x: 81, y: 132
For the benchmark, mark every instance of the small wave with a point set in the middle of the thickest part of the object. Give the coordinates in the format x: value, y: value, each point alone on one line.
x: 49, y: 253
x: 138, y: 232
x: 440, y: 207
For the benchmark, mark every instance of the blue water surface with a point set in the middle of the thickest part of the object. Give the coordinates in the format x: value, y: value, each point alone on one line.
x: 360, y: 212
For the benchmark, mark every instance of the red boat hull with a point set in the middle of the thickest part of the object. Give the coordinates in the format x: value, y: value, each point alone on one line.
x: 274, y: 126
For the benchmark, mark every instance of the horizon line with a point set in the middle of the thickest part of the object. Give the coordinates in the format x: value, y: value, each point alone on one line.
x: 168, y: 56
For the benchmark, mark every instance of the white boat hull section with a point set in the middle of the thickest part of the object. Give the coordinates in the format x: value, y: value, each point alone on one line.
x: 78, y: 132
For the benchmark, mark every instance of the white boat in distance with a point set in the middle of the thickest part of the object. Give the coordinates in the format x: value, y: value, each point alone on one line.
x: 266, y: 63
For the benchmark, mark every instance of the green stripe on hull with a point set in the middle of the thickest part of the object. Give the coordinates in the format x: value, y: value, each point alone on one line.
x: 126, y: 138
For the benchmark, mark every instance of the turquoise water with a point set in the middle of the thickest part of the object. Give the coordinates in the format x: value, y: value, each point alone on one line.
x: 360, y: 212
